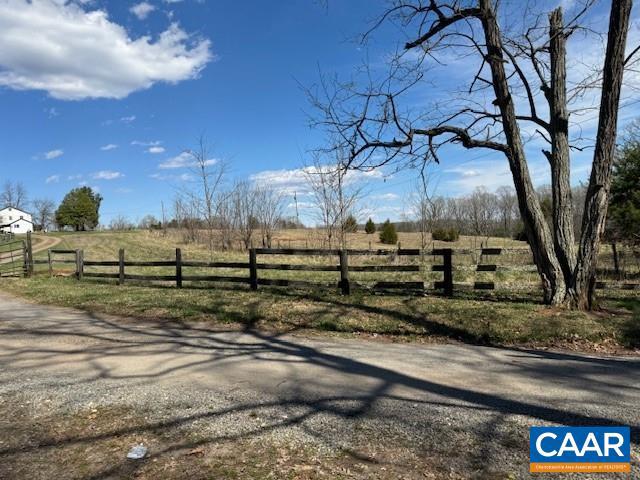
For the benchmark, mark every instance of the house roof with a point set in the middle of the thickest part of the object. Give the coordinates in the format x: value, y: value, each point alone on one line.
x: 16, y: 221
x: 16, y: 209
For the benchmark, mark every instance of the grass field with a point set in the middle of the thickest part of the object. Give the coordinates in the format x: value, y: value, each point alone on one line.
x: 503, y: 317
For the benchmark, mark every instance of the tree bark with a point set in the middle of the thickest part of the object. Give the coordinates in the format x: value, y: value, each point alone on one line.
x: 595, y: 210
x: 538, y: 233
x: 563, y: 238
x: 616, y: 259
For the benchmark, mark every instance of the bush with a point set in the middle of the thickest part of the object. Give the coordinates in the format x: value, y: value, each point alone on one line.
x: 350, y: 225
x: 446, y: 234
x: 388, y: 233
x: 370, y: 227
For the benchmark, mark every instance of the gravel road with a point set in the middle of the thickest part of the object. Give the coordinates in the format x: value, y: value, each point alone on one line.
x: 454, y: 411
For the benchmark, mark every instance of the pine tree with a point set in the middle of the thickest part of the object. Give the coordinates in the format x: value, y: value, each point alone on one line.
x: 624, y: 200
x: 350, y: 225
x: 370, y: 227
x: 388, y: 233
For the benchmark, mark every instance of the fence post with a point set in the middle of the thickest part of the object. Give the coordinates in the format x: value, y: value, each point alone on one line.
x: 178, y: 268
x: 50, y: 262
x: 30, y: 255
x: 253, y: 269
x: 448, y: 271
x: 121, y: 266
x: 25, y: 259
x: 79, y: 264
x: 345, y: 288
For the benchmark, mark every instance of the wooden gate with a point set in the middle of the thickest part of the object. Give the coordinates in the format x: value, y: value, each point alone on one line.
x: 14, y: 258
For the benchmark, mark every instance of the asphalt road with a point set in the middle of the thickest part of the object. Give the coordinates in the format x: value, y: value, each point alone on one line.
x: 466, y: 408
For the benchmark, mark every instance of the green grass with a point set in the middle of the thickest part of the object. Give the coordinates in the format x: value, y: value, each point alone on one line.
x: 498, y: 320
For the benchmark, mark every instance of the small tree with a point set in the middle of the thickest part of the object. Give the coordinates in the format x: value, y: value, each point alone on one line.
x: 43, y: 210
x: 370, y: 227
x: 624, y: 202
x: 13, y: 195
x: 79, y: 209
x: 121, y: 223
x: 350, y: 225
x: 388, y: 234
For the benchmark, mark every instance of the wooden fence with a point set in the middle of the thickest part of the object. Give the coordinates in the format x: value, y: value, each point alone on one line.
x: 253, y: 267
x: 16, y: 256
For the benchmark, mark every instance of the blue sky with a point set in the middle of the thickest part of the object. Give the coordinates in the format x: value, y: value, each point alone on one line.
x: 109, y: 94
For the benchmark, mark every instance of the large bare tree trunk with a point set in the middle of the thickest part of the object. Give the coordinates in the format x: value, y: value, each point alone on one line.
x: 559, y: 159
x: 538, y: 233
x: 595, y: 210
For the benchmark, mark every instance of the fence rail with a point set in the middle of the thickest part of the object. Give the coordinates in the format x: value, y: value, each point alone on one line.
x: 253, y: 267
x: 342, y: 267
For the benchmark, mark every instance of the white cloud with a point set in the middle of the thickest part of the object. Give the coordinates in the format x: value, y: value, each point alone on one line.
x: 142, y: 10
x: 386, y: 196
x: 107, y: 175
x: 464, y: 172
x: 110, y: 146
x: 295, y: 180
x: 183, y: 177
x: 128, y: 119
x: 491, y: 174
x: 74, y: 53
x: 50, y: 155
x: 75, y: 177
x: 52, y: 179
x: 183, y: 160
x: 155, y: 150
x: 146, y: 144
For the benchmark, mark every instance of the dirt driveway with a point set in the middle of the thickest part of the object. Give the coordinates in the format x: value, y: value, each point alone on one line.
x: 40, y: 243
x: 78, y: 390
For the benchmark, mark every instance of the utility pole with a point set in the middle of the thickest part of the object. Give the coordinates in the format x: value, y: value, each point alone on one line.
x: 295, y: 199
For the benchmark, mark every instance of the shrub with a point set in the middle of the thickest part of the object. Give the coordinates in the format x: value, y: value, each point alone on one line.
x: 388, y: 233
x: 350, y: 225
x: 446, y: 234
x: 370, y: 227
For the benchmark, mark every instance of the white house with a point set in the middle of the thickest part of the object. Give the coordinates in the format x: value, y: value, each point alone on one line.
x: 15, y: 220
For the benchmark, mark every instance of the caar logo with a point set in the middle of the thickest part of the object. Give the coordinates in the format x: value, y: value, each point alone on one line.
x: 579, y: 449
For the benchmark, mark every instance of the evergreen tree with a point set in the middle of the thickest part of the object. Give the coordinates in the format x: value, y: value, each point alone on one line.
x: 624, y: 200
x: 79, y: 209
x: 388, y: 233
x: 370, y: 227
x: 350, y: 225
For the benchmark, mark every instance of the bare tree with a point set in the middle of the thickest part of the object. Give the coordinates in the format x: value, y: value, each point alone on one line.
x: 148, y: 222
x: 226, y: 220
x: 336, y: 197
x: 121, y: 223
x: 269, y: 212
x: 424, y: 207
x: 185, y: 214
x: 209, y: 174
x: 245, y: 208
x: 508, y: 208
x: 521, y: 78
x: 455, y: 213
x: 43, y: 211
x: 13, y: 195
x: 481, y: 209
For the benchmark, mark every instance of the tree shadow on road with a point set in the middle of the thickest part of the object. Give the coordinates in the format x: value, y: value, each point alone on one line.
x: 359, y: 386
